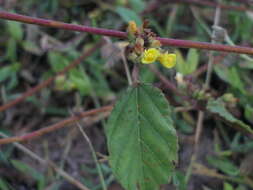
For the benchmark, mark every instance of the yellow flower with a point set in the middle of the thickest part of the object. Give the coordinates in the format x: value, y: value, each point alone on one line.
x: 168, y: 60
x: 150, y: 55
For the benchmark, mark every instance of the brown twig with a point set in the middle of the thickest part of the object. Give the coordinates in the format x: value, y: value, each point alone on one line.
x: 55, y: 126
x: 119, y: 34
x: 51, y: 79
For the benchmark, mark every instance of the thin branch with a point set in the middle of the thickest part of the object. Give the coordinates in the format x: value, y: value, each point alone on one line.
x: 119, y: 34
x: 101, y: 176
x: 208, y: 78
x: 51, y: 79
x: 55, y: 126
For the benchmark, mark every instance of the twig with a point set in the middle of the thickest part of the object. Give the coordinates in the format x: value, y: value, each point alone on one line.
x: 202, y: 69
x: 119, y: 34
x: 208, y: 78
x: 129, y: 78
x: 101, y: 177
x: 55, y: 126
x: 201, y: 113
x: 51, y: 79
x: 164, y: 80
x: 48, y: 163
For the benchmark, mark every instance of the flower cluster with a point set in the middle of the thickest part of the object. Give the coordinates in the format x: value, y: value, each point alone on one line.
x: 144, y: 48
x: 151, y: 55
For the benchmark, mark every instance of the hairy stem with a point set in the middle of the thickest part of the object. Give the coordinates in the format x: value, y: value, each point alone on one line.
x: 119, y: 34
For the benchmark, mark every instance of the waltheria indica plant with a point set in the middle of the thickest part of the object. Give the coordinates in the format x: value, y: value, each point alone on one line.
x: 144, y: 48
x: 142, y: 141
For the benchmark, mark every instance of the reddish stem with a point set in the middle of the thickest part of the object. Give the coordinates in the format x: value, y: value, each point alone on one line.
x: 51, y: 79
x: 55, y: 126
x: 119, y: 34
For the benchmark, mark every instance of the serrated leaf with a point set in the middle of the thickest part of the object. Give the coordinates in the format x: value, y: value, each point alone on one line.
x: 218, y: 107
x: 128, y: 15
x: 142, y: 141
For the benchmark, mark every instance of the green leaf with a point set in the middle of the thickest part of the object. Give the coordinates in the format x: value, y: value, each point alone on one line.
x: 189, y: 65
x: 8, y: 71
x: 11, y: 52
x: 227, y: 186
x: 218, y: 107
x: 248, y: 112
x: 137, y: 5
x: 180, y: 62
x: 57, y: 61
x: 15, y: 30
x: 128, y: 15
x: 142, y: 141
x: 4, y: 185
x: 80, y: 80
x: 26, y: 169
x: 192, y: 60
x: 224, y: 165
x: 32, y: 47
x: 179, y: 180
x: 231, y: 76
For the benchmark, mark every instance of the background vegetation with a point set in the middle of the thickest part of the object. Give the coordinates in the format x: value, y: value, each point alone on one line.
x: 31, y: 54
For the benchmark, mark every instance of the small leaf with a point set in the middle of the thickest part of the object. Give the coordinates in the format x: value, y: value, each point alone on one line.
x: 27, y: 170
x: 4, y: 185
x: 192, y: 61
x: 180, y: 62
x: 8, y: 71
x: 15, y: 29
x: 248, y: 113
x: 231, y: 76
x: 11, y: 52
x: 189, y: 65
x: 32, y: 47
x: 137, y: 5
x: 128, y: 15
x: 80, y: 80
x: 228, y: 186
x: 57, y: 61
x: 224, y: 165
x: 142, y: 141
x: 218, y: 107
